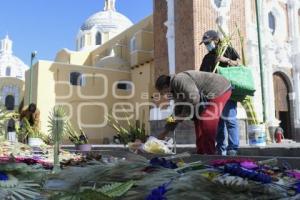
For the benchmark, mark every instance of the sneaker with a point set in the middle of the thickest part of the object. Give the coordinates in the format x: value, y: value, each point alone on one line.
x: 221, y: 153
x: 232, y: 153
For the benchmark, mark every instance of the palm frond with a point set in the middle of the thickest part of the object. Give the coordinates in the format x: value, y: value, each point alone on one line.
x: 116, y: 189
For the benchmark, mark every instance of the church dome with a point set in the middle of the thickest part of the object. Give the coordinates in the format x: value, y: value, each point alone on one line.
x: 10, y: 65
x: 101, y: 27
x: 107, y: 20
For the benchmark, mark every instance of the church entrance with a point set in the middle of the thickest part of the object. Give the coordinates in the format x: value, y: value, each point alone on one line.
x: 10, y: 102
x: 282, y: 103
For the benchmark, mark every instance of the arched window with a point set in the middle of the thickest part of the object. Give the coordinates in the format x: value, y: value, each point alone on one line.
x: 10, y: 102
x: 272, y: 22
x: 98, y: 39
x: 76, y: 78
x: 82, y: 42
x: 8, y: 71
x: 133, y: 46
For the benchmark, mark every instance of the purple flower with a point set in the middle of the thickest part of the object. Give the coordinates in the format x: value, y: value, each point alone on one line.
x: 159, y: 192
x: 297, y: 187
x: 248, y: 165
x: 294, y: 174
x: 3, y: 176
x: 236, y: 170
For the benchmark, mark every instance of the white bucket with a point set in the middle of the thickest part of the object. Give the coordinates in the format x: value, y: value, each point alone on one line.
x: 257, y: 135
x: 35, y: 142
x: 12, y: 137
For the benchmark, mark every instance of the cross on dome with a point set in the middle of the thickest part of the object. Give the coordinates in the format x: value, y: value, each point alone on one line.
x: 110, y: 5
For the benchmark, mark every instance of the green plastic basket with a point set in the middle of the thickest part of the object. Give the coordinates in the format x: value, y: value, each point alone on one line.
x: 241, y: 79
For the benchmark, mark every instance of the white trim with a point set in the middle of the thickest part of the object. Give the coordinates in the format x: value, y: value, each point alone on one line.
x: 171, y: 36
x: 138, y: 50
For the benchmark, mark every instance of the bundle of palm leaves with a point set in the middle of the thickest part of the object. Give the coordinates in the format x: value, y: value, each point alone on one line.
x: 194, y: 185
x: 99, y: 180
x: 131, y: 132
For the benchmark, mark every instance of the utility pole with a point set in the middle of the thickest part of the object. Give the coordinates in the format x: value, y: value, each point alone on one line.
x: 260, y: 59
x: 33, y: 55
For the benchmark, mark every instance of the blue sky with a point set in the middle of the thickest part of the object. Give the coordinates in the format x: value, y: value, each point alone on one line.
x: 50, y: 25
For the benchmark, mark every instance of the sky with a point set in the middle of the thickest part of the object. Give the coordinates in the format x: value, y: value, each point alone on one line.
x: 46, y: 26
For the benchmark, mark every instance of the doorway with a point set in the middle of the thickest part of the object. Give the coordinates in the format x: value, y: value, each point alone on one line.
x: 10, y: 102
x: 282, y: 103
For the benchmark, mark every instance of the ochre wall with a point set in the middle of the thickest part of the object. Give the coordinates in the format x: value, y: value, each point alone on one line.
x: 53, y: 88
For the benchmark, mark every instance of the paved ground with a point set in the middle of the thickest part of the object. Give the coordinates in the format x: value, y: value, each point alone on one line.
x: 286, y: 149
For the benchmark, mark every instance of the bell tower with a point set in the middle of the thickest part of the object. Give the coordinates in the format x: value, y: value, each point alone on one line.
x: 6, y: 45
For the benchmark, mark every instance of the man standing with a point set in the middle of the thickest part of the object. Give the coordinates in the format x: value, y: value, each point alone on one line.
x: 211, y: 40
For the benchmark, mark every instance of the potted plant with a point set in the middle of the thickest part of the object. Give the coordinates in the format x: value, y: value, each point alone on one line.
x: 33, y: 135
x: 78, y: 138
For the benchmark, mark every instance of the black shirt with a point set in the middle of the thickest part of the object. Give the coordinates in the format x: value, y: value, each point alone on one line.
x: 209, y: 60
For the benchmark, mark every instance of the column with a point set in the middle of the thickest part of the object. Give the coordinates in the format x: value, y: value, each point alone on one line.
x: 293, y: 21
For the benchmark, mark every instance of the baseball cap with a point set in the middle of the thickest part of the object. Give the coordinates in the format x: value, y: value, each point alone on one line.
x: 209, y: 36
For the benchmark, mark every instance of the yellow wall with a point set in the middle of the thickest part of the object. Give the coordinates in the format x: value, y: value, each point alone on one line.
x: 85, y: 104
x: 142, y: 79
x: 54, y: 88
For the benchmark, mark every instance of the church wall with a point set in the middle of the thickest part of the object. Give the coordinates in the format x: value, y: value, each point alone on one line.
x: 122, y: 43
x: 85, y: 104
x: 142, y: 77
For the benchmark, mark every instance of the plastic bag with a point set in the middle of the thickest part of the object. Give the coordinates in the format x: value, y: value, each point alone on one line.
x: 154, y: 146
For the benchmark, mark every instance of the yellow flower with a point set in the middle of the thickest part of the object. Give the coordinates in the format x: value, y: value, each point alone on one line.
x: 170, y: 120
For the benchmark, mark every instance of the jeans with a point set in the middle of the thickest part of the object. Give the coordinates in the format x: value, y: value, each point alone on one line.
x: 228, y: 121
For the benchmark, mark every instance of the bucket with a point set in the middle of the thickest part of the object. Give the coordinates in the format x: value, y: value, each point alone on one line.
x: 257, y: 135
x: 12, y: 137
x: 83, y: 147
x: 35, y: 142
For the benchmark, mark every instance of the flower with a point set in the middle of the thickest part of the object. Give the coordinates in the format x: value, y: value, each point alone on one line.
x: 295, y: 174
x: 236, y: 170
x: 221, y: 162
x: 248, y: 165
x: 170, y: 120
x: 3, y: 176
x: 159, y: 192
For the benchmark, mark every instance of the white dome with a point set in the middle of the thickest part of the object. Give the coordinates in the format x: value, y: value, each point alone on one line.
x: 101, y: 27
x: 107, y: 21
x: 10, y: 65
